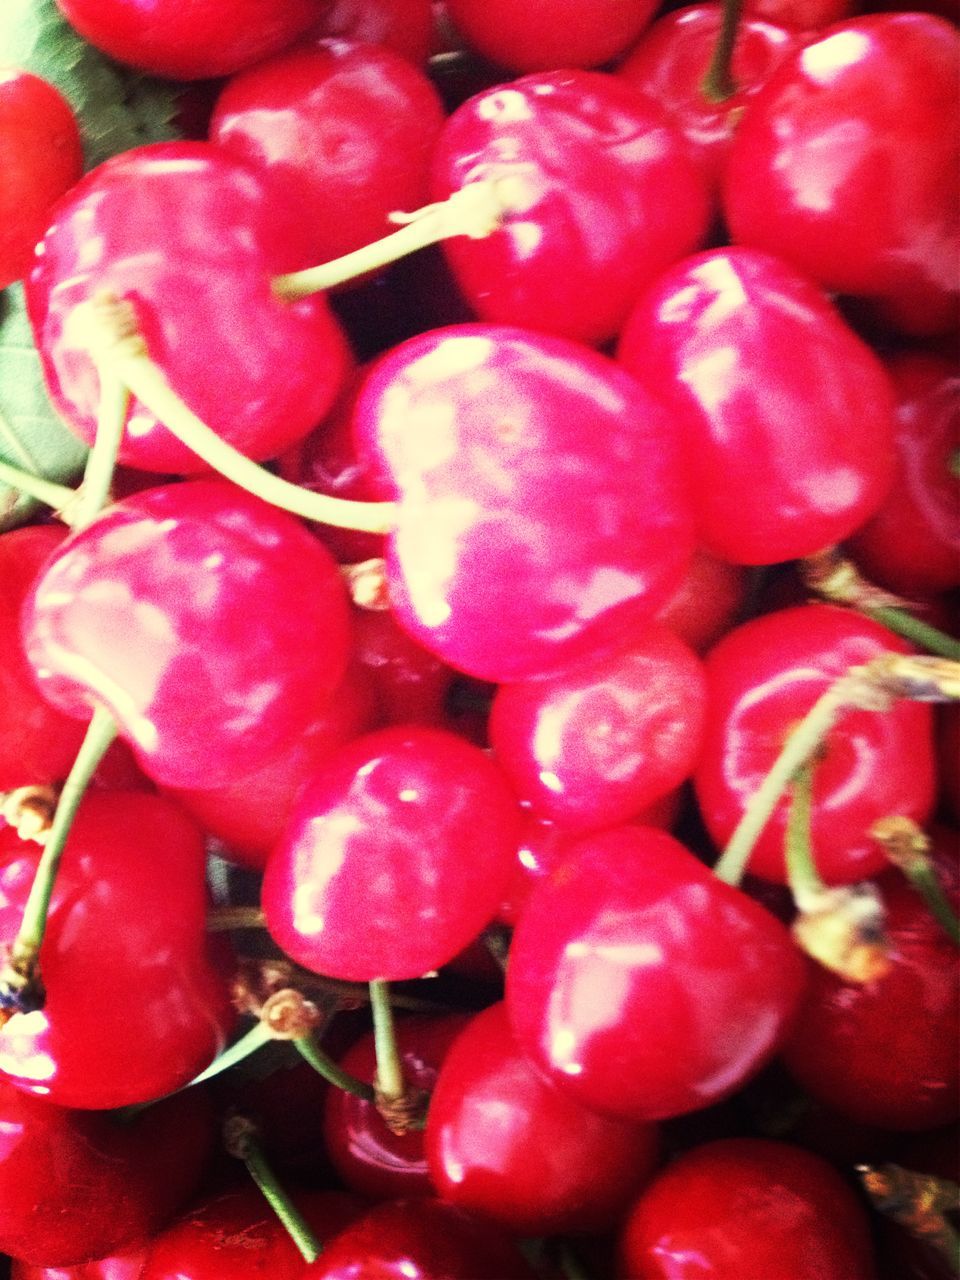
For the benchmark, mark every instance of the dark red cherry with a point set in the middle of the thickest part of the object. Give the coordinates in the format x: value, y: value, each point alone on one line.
x: 75, y: 1186
x: 786, y: 415
x: 504, y: 1142
x: 127, y: 1265
x: 206, y: 622
x: 542, y: 509
x: 707, y: 602
x: 802, y: 16
x: 397, y: 855
x: 408, y: 684
x: 595, y: 744
x: 193, y: 238
x: 135, y: 1005
x: 762, y: 679
x: 641, y: 985
x: 604, y: 196
x: 843, y: 166
x: 407, y: 26
x: 747, y: 1209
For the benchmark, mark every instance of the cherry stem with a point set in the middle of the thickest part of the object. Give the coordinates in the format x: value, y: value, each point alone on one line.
x: 932, y: 639
x: 918, y: 1201
x: 20, y: 972
x: 331, y: 1071
x: 94, y: 492
x: 223, y: 919
x: 115, y: 344
x: 248, y: 1044
x: 805, y: 883
x: 390, y: 1080
x: 55, y: 496
x: 476, y: 210
x: 908, y: 847
x: 240, y: 1137
x: 718, y: 84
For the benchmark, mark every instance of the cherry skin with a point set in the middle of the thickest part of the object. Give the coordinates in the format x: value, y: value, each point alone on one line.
x: 605, y: 197
x: 762, y: 678
x: 193, y: 238
x: 127, y: 1265
x: 642, y: 986
x: 595, y: 744
x: 707, y: 602
x: 135, y: 1000
x: 75, y: 1186
x: 408, y: 683
x: 206, y: 622
x: 747, y: 1209
x: 534, y: 525
x: 802, y: 16
x: 406, y: 26
x: 786, y: 415
x: 842, y: 165
x: 502, y: 1141
x: 41, y: 157
x: 396, y: 857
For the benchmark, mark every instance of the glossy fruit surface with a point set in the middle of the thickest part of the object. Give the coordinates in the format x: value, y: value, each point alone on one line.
x: 707, y: 602
x: 41, y: 157
x: 747, y: 1209
x: 406, y: 26
x: 542, y: 510
x: 136, y: 1003
x: 843, y: 167
x: 193, y: 238
x: 502, y: 1141
x: 786, y: 415
x: 641, y: 985
x: 396, y: 857
x: 605, y: 193
x: 762, y: 679
x: 127, y: 1265
x: 206, y: 622
x: 408, y: 684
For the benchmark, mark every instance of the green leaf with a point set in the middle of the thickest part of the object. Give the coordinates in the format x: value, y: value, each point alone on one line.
x: 32, y: 436
x: 117, y: 108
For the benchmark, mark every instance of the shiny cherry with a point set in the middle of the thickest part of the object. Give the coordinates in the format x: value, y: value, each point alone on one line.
x: 641, y: 985
x: 504, y: 1142
x: 604, y: 196
x: 708, y: 601
x: 408, y: 684
x: 762, y: 678
x: 193, y: 238
x: 803, y: 16
x: 206, y: 622
x: 127, y: 1265
x: 747, y: 1209
x: 542, y: 509
x: 785, y: 414
x: 406, y: 26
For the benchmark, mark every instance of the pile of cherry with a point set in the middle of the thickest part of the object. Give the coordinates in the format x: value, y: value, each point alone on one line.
x: 425, y: 749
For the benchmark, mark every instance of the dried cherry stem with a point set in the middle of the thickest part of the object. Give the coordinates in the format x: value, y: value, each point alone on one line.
x: 19, y: 988
x: 241, y: 1141
x: 476, y: 210
x: 223, y: 919
x: 331, y: 1071
x: 56, y: 496
x: 718, y: 84
x: 116, y: 344
x: 871, y: 687
x: 94, y: 492
x: 919, y: 1202
x: 30, y: 810
x: 908, y: 847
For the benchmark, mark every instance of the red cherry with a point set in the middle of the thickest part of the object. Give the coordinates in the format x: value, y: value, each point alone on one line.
x: 707, y: 602
x: 606, y: 197
x: 41, y: 157
x: 842, y: 165
x: 194, y: 238
x: 208, y: 623
x: 762, y: 679
x: 741, y: 349
x: 502, y: 1141
x: 408, y: 684
x: 75, y: 1186
x: 595, y: 744
x: 804, y: 16
x: 127, y: 1265
x: 747, y: 1209
x: 134, y: 1004
x: 643, y: 986
x: 396, y: 857
x: 407, y: 26
x: 536, y: 524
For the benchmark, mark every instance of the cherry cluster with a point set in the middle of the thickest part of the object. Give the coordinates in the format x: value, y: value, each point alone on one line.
x: 473, y: 803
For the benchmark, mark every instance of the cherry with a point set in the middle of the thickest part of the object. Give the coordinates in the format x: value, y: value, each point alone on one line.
x: 407, y: 26
x: 346, y: 129
x: 397, y: 855
x: 75, y: 1185
x: 408, y: 684
x: 606, y: 197
x: 747, y: 1209
x: 192, y: 597
x: 707, y: 602
x: 842, y: 165
x: 135, y: 1004
x: 193, y: 237
x: 127, y: 1265
x: 502, y: 1141
x: 742, y: 348
x: 203, y: 39
x: 762, y: 678
x: 595, y: 744
x: 643, y: 986
x: 536, y: 525
x: 803, y: 16
x: 41, y: 157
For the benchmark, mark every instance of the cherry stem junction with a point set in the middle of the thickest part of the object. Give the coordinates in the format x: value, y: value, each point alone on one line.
x: 908, y: 847
x: 56, y: 496
x: 241, y: 1141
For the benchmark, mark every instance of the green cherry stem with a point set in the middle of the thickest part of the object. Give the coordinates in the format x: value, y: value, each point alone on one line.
x: 55, y: 496
x: 932, y: 639
x: 94, y: 493
x: 331, y: 1071
x: 908, y: 847
x: 248, y: 1044
x: 391, y: 1084
x: 240, y: 1139
x: 802, y: 876
x: 718, y: 84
